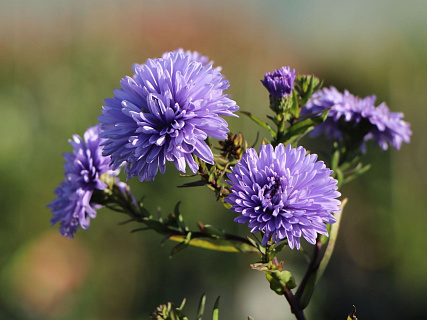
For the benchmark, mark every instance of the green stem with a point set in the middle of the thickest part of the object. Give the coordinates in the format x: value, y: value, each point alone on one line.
x: 125, y: 203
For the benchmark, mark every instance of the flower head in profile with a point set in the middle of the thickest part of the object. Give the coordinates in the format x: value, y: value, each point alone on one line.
x: 344, y: 106
x: 284, y: 193
x: 164, y: 113
x: 388, y: 128
x: 356, y: 115
x: 83, y: 169
x: 279, y: 83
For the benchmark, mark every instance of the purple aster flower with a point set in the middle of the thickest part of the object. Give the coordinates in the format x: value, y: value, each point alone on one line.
x: 164, y: 113
x: 83, y: 169
x: 343, y: 106
x: 388, y: 128
x: 285, y: 193
x: 377, y: 123
x: 279, y: 83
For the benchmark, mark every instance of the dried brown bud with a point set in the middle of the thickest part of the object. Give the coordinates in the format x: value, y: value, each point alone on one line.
x: 233, y: 147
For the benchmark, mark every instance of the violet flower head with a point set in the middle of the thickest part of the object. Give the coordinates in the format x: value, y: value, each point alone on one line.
x: 349, y: 112
x: 344, y: 106
x: 388, y: 128
x: 83, y: 169
x: 280, y: 83
x: 164, y: 113
x: 283, y: 192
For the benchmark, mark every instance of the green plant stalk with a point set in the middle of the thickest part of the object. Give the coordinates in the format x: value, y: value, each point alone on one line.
x: 318, y: 263
x: 205, y: 238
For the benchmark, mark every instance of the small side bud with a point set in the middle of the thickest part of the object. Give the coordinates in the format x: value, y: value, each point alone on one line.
x: 280, y: 84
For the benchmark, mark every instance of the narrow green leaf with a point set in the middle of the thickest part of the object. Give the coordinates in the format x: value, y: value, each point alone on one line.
x: 181, y: 246
x: 356, y: 174
x: 179, y: 218
x: 215, y: 314
x: 211, y: 178
x: 324, y: 239
x: 331, y: 244
x: 225, y: 204
x: 339, y: 176
x: 201, y: 308
x: 182, y: 304
x: 303, y: 297
x: 281, y: 246
x: 217, y: 244
x: 261, y: 123
x: 278, y: 248
x: 156, y: 225
x: 140, y: 229
x: 295, y: 105
x: 198, y: 183
x: 125, y: 222
x: 308, y: 84
x: 335, y: 159
x: 212, y: 231
x: 257, y: 245
x: 302, y: 126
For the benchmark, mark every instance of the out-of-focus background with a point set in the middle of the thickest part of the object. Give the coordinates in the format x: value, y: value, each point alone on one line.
x: 60, y: 59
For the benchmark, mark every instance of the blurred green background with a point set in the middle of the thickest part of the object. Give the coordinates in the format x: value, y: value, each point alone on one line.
x: 60, y: 59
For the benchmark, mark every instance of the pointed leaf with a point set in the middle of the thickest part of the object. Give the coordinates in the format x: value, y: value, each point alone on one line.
x: 156, y: 225
x: 302, y: 126
x: 217, y: 244
x: 257, y: 245
x: 181, y: 246
x: 304, y: 297
x: 280, y: 247
x: 212, y: 231
x: 304, y: 294
x: 182, y: 304
x: 357, y: 173
x: 261, y: 123
x: 331, y: 244
x: 335, y: 159
x: 215, y: 314
x: 140, y: 229
x: 198, y: 183
x: 201, y: 308
x: 225, y: 204
x: 180, y: 218
x: 294, y: 110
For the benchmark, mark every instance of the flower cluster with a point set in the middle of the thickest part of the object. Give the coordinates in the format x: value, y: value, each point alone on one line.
x: 83, y: 170
x: 168, y: 109
x: 381, y: 125
x: 165, y: 112
x: 284, y: 193
x: 279, y: 83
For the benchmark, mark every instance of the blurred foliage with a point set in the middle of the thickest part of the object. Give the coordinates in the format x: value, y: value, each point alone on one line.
x: 60, y: 59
